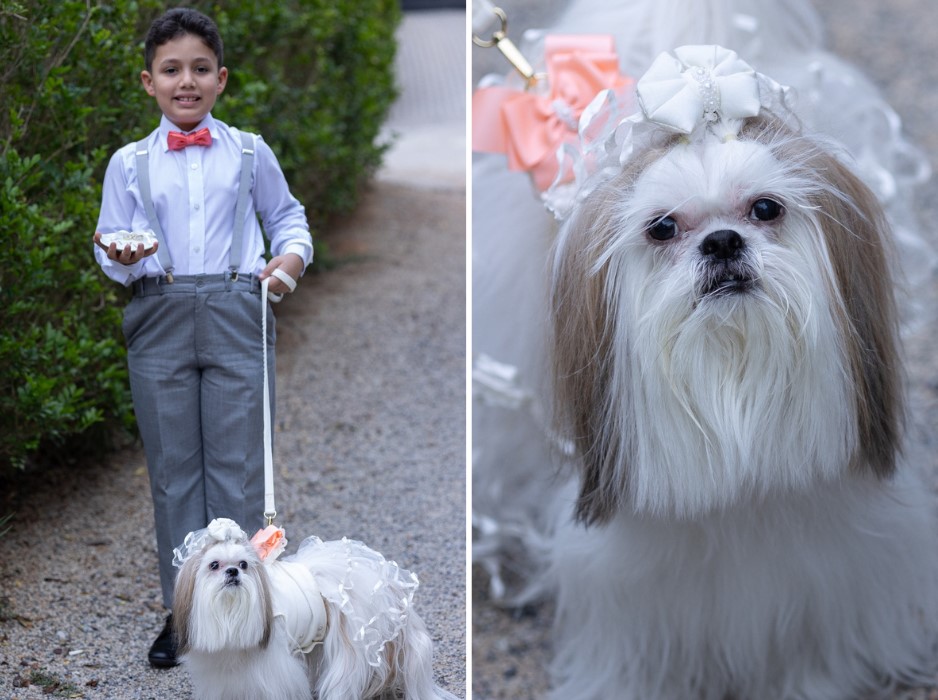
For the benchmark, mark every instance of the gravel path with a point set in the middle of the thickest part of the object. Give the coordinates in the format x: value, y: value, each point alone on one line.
x: 370, y: 444
x: 894, y: 44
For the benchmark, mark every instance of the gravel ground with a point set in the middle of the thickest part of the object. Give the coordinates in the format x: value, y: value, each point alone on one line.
x: 370, y: 444
x: 893, y: 43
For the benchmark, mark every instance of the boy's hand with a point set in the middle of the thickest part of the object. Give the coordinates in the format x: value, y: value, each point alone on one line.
x: 291, y: 263
x: 127, y: 255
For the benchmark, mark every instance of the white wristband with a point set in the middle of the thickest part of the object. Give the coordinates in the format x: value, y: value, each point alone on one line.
x: 285, y: 278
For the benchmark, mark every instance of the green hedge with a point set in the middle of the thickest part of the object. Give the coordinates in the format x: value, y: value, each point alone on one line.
x: 313, y: 76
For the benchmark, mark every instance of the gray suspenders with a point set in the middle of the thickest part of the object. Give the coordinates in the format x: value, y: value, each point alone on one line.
x: 143, y: 179
x: 244, y: 193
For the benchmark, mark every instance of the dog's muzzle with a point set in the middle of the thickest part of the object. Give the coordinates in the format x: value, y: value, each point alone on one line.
x: 724, y: 268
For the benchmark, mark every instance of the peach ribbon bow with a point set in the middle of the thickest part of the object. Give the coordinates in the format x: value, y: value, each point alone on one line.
x: 530, y: 127
x: 269, y: 542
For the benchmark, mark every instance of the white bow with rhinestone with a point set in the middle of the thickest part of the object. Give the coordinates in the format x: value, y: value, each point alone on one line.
x: 698, y: 85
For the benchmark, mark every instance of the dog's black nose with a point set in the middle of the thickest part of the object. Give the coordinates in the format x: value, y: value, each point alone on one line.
x: 722, y: 245
x: 231, y: 571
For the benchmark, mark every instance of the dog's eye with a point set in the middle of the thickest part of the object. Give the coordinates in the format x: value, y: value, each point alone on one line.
x: 766, y: 210
x: 213, y: 566
x: 663, y: 229
x: 243, y: 565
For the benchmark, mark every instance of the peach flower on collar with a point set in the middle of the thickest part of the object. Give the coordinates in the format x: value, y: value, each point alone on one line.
x: 269, y: 542
x: 530, y: 127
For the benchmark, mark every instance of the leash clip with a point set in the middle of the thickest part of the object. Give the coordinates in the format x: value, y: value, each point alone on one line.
x: 508, y: 48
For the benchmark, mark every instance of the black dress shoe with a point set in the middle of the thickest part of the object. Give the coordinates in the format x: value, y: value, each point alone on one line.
x: 163, y: 652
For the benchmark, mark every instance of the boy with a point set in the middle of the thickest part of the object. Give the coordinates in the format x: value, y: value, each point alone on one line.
x: 192, y: 327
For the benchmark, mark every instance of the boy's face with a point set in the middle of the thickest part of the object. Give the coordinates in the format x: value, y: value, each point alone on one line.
x: 185, y: 81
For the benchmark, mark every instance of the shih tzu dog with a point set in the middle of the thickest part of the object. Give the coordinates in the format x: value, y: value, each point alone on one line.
x: 726, y: 362
x: 334, y: 618
x: 726, y: 354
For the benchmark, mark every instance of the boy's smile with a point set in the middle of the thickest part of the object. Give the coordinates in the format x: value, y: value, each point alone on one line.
x: 186, y: 80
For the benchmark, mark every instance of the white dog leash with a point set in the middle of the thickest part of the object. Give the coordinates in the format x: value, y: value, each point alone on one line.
x: 270, y: 510
x: 283, y: 277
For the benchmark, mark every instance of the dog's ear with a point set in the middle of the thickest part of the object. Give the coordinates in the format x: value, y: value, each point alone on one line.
x: 582, y: 361
x: 858, y: 240
x: 183, y: 597
x: 265, y: 592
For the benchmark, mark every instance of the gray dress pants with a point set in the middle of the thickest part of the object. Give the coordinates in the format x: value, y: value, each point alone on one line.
x: 196, y: 373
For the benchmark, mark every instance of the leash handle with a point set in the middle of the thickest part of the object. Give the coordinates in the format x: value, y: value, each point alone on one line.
x: 270, y: 510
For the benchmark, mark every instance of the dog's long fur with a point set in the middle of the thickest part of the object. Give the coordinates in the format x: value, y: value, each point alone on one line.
x: 236, y: 649
x: 740, y: 528
x: 603, y: 373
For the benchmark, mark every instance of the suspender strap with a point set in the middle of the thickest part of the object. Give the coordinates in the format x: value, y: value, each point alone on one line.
x: 244, y: 194
x: 143, y: 180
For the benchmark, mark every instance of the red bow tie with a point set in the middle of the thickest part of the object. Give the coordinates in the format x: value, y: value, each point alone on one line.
x: 178, y: 140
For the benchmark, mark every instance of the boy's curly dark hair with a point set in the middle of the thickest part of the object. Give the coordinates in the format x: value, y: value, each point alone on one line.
x: 179, y: 22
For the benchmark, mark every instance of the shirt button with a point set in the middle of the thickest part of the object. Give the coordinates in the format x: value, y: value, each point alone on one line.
x: 198, y: 206
x: 194, y: 166
x: 197, y: 249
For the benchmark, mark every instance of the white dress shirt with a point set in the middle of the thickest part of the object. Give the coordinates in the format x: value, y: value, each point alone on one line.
x: 195, y: 191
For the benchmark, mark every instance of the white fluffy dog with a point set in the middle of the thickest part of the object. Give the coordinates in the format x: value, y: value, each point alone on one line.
x: 336, y: 617
x: 726, y: 353
x: 725, y: 361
